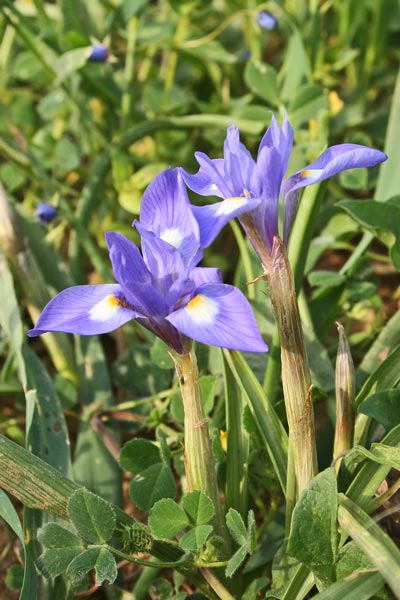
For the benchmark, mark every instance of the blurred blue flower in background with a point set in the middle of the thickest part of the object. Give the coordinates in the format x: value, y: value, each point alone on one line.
x: 45, y: 212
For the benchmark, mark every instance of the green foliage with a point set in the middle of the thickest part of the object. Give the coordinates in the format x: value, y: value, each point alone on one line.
x: 152, y: 477
x: 314, y: 537
x: 93, y: 517
x: 88, y: 138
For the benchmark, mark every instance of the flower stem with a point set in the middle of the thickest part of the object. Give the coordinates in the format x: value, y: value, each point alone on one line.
x: 296, y: 379
x: 199, y: 460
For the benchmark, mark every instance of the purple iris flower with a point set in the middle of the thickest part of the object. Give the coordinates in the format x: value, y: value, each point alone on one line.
x: 45, y: 212
x: 267, y: 20
x: 99, y: 53
x: 161, y: 287
x: 238, y: 175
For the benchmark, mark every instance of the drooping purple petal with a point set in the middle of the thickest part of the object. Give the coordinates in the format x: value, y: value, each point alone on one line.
x: 331, y: 162
x: 213, y: 217
x: 210, y: 179
x: 85, y: 310
x: 165, y: 210
x: 220, y: 315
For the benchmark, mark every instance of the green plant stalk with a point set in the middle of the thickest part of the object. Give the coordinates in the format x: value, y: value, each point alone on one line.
x: 173, y: 55
x: 345, y: 394
x: 236, y: 490
x: 129, y: 73
x: 296, y: 378
x: 270, y: 427
x: 199, y: 460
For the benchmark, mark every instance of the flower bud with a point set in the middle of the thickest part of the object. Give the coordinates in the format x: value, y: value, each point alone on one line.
x: 267, y: 20
x: 345, y: 394
x: 99, y: 53
x: 45, y: 212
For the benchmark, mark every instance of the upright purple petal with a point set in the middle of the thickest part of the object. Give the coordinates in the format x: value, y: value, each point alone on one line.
x: 127, y: 262
x: 220, y: 315
x: 201, y: 275
x: 165, y: 210
x: 163, y: 260
x: 85, y: 310
x: 238, y: 163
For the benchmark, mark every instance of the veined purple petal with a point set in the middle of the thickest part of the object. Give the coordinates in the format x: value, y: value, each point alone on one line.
x: 280, y: 139
x: 220, y: 315
x: 334, y: 160
x: 165, y: 210
x: 238, y: 163
x: 213, y: 217
x: 331, y: 162
x: 201, y: 275
x: 127, y: 262
x: 210, y: 179
x: 163, y: 260
x: 85, y: 310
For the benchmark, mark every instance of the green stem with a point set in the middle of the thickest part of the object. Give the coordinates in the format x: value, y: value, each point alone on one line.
x: 129, y: 73
x: 216, y: 585
x: 173, y: 56
x: 199, y: 460
x: 236, y: 490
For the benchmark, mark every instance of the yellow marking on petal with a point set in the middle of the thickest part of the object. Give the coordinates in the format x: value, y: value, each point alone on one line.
x: 105, y: 309
x: 314, y: 173
x: 202, y: 309
x: 229, y: 204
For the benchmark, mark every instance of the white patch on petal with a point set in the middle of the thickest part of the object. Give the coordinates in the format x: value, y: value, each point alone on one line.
x: 105, y: 309
x: 173, y: 236
x: 202, y: 309
x: 229, y: 204
x: 311, y: 173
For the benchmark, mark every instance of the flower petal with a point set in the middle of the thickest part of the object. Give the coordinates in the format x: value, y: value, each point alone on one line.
x: 210, y: 179
x: 165, y: 210
x: 331, y: 162
x: 127, y: 262
x: 334, y: 160
x: 220, y: 315
x: 238, y: 164
x: 85, y: 310
x: 201, y: 275
x: 213, y: 217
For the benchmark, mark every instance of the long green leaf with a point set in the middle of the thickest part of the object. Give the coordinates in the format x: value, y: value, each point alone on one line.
x: 271, y: 428
x: 372, y: 540
x: 360, y: 586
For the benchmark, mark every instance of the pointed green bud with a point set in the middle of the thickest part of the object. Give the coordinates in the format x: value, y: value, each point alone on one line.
x: 345, y: 394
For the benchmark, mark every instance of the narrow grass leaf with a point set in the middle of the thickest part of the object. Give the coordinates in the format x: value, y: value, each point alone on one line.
x: 270, y: 427
x: 384, y: 407
x: 359, y: 586
x: 376, y: 544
